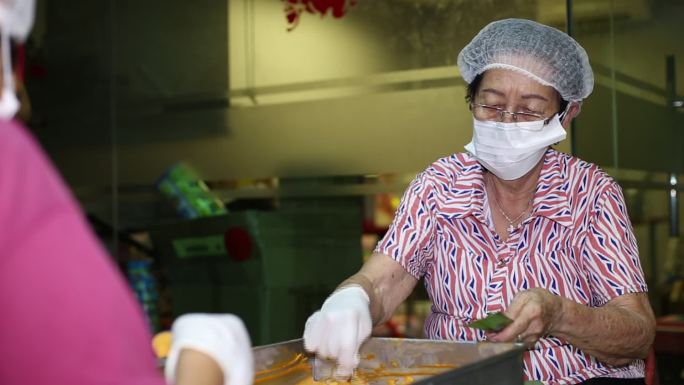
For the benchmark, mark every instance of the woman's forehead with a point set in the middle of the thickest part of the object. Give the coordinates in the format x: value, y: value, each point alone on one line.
x: 505, y: 82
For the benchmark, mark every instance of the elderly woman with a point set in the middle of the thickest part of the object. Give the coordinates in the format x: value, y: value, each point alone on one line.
x: 511, y: 225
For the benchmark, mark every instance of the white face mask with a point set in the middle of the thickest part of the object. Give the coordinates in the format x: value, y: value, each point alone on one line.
x: 16, y: 17
x: 510, y: 150
x: 16, y: 20
x: 9, y: 104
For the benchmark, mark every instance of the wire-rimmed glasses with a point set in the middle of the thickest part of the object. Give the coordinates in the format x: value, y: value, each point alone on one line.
x: 493, y: 113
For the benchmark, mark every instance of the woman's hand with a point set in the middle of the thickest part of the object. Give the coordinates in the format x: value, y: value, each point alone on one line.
x: 616, y: 333
x: 339, y: 328
x: 534, y: 313
x: 210, y: 349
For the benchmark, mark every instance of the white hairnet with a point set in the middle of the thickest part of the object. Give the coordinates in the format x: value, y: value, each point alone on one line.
x: 546, y: 54
x: 16, y: 17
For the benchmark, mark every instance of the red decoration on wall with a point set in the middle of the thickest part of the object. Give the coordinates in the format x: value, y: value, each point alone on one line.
x: 294, y: 9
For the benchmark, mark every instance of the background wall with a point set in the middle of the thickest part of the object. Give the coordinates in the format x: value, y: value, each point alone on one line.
x: 130, y: 88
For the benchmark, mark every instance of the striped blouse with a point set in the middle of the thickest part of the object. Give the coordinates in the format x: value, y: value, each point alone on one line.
x: 578, y: 243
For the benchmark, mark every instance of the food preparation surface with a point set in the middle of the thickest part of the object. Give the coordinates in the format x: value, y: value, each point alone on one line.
x: 390, y: 361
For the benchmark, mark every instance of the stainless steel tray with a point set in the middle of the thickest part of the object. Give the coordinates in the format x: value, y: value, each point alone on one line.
x: 403, y: 361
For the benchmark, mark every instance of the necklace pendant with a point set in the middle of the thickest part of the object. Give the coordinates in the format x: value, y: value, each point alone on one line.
x: 510, y: 228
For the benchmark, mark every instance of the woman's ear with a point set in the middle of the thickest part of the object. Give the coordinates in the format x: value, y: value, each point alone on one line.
x: 573, y: 109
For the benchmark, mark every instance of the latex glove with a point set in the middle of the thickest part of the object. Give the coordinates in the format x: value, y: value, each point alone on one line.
x: 222, y: 337
x: 339, y: 328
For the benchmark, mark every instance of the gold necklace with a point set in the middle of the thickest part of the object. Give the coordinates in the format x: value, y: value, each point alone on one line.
x: 511, y: 222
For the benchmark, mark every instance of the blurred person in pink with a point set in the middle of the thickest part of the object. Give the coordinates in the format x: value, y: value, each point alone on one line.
x: 68, y: 317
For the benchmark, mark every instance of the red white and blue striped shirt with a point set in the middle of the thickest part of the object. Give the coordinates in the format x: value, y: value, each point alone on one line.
x: 578, y: 243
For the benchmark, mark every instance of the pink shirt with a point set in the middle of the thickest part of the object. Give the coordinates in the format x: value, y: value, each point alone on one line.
x: 66, y: 315
x: 578, y: 243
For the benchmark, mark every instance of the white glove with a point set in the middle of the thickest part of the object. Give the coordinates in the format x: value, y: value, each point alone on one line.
x: 222, y: 337
x: 339, y: 328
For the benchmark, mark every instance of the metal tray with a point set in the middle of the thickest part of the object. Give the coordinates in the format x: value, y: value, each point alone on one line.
x: 416, y: 361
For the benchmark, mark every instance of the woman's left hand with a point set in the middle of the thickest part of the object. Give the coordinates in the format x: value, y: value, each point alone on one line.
x: 534, y: 313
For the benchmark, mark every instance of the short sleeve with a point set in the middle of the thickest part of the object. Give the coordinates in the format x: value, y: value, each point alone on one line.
x: 610, y: 253
x: 410, y: 238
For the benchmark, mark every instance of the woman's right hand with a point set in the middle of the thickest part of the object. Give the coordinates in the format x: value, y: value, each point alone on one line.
x: 339, y: 328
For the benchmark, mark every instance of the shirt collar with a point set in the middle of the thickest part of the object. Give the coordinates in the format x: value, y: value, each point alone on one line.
x: 550, y: 198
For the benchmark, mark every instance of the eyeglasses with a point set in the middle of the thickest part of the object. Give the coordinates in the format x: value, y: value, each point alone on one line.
x: 487, y: 112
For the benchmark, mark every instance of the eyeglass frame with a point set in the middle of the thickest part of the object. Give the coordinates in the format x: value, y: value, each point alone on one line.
x: 514, y: 115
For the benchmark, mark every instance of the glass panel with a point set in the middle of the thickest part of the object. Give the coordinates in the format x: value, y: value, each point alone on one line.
x: 171, y: 68
x: 227, y: 88
x: 627, y: 110
x: 628, y: 125
x: 70, y: 86
x: 376, y: 91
